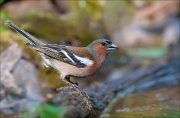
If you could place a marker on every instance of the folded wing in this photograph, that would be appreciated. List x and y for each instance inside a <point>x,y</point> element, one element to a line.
<point>61,53</point>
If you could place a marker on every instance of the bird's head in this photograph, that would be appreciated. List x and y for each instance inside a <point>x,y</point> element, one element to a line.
<point>101,46</point>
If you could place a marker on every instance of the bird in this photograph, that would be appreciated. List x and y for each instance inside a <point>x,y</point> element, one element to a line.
<point>70,61</point>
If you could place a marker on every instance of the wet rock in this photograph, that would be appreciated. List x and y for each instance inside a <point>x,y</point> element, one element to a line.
<point>18,82</point>
<point>8,59</point>
<point>76,103</point>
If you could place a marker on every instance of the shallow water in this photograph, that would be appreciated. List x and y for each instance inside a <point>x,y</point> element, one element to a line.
<point>160,103</point>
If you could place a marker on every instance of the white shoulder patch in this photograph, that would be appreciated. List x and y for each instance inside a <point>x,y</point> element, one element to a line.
<point>84,60</point>
<point>65,53</point>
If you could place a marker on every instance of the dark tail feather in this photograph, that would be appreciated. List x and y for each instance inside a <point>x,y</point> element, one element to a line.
<point>31,38</point>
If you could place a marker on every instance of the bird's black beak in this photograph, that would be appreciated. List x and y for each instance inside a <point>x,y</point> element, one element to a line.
<point>112,47</point>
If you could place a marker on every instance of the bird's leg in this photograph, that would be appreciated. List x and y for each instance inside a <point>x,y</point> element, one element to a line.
<point>69,80</point>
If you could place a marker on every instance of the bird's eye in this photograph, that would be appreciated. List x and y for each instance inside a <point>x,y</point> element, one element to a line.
<point>103,44</point>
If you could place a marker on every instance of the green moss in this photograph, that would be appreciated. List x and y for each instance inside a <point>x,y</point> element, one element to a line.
<point>168,113</point>
<point>51,77</point>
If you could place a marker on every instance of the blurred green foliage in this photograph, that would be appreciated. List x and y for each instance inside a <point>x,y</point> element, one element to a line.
<point>49,111</point>
<point>53,29</point>
<point>1,1</point>
<point>4,15</point>
<point>87,9</point>
<point>169,113</point>
<point>45,110</point>
<point>115,14</point>
<point>152,53</point>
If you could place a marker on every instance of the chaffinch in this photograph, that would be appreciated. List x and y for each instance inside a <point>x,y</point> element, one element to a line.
<point>69,60</point>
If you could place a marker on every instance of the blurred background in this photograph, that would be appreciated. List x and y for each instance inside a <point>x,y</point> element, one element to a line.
<point>141,79</point>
